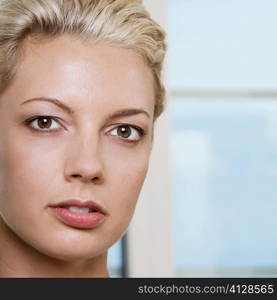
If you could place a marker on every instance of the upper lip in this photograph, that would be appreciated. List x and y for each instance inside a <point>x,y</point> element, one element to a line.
<point>81,204</point>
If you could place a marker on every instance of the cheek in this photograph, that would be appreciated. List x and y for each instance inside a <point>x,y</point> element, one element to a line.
<point>127,173</point>
<point>25,171</point>
<point>121,196</point>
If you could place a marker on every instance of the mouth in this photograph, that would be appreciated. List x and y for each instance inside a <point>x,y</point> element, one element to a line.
<point>79,214</point>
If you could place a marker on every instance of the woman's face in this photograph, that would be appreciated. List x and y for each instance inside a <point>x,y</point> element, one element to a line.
<point>71,128</point>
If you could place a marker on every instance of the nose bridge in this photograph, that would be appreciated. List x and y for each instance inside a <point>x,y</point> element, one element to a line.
<point>84,158</point>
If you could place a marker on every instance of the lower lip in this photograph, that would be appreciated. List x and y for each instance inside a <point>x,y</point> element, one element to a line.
<point>78,220</point>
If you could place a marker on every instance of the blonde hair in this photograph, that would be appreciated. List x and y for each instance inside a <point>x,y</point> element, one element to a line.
<point>122,22</point>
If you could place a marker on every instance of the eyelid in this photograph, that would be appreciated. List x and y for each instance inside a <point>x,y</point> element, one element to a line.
<point>33,118</point>
<point>141,132</point>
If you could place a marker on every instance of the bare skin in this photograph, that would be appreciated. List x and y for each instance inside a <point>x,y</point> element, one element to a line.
<point>80,155</point>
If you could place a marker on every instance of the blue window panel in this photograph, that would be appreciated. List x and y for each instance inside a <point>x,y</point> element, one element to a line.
<point>222,44</point>
<point>224,166</point>
<point>115,263</point>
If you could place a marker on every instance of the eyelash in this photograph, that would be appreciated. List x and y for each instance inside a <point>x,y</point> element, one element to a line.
<point>28,122</point>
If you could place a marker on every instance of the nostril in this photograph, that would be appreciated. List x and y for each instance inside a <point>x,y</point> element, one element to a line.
<point>76,175</point>
<point>95,179</point>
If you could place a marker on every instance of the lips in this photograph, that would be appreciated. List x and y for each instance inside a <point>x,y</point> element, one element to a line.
<point>79,214</point>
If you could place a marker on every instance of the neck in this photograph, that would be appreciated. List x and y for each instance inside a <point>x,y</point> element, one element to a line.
<point>17,259</point>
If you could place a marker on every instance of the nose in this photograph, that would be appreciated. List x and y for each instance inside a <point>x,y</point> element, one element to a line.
<point>84,162</point>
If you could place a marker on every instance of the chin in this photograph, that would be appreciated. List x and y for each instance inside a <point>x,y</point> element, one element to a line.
<point>74,253</point>
<point>65,246</point>
<point>80,246</point>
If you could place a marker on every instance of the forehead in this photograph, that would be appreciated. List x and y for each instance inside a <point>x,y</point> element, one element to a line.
<point>67,68</point>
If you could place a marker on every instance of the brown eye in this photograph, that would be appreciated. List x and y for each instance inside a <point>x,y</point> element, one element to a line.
<point>44,123</point>
<point>124,131</point>
<point>128,133</point>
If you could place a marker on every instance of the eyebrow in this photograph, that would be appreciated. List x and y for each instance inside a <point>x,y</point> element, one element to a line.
<point>128,112</point>
<point>63,106</point>
<point>51,100</point>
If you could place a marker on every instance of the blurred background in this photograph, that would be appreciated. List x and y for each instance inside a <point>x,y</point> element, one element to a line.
<point>209,207</point>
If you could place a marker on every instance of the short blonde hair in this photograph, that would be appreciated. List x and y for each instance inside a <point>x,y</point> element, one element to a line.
<point>122,22</point>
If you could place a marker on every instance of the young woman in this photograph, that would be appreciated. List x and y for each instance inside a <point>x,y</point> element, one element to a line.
<point>80,90</point>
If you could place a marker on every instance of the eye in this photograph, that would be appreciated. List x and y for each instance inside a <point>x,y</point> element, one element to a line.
<point>128,132</point>
<point>43,123</point>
